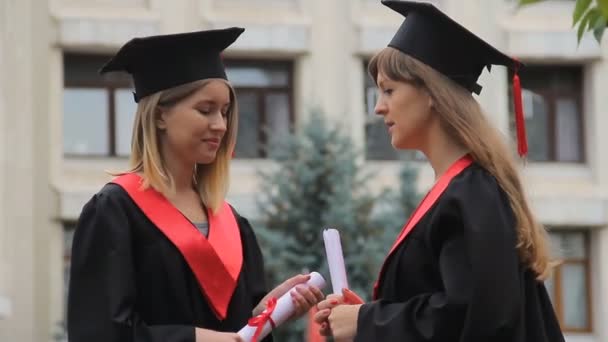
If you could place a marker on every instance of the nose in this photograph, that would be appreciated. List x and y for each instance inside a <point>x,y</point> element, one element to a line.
<point>381,108</point>
<point>218,122</point>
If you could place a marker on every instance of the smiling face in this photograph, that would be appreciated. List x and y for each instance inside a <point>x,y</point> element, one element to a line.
<point>407,112</point>
<point>193,128</point>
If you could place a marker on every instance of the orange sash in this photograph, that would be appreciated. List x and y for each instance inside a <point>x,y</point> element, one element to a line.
<point>216,261</point>
<point>427,202</point>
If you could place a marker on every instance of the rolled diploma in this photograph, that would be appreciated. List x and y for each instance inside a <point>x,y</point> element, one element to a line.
<point>335,260</point>
<point>282,311</point>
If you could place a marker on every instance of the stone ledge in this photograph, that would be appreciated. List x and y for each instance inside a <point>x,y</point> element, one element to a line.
<point>558,45</point>
<point>103,32</point>
<point>573,212</point>
<point>269,37</point>
<point>371,39</point>
<point>71,203</point>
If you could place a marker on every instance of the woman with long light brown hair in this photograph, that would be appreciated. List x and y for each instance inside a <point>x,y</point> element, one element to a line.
<point>158,254</point>
<point>469,264</point>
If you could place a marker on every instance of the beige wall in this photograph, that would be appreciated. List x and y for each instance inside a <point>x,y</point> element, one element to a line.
<point>327,41</point>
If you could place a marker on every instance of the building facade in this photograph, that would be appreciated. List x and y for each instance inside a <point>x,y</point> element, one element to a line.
<point>63,126</point>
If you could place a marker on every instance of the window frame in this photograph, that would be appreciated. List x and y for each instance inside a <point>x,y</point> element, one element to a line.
<point>557,283</point>
<point>550,96</point>
<point>109,85</point>
<point>261,93</point>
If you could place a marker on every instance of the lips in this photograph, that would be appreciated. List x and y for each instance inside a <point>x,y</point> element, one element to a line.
<point>214,142</point>
<point>389,126</point>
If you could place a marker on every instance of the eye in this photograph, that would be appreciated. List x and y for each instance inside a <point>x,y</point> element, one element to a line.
<point>387,91</point>
<point>204,111</point>
<point>225,112</point>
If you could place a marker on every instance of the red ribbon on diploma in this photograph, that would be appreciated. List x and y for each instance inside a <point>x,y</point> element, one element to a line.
<point>260,320</point>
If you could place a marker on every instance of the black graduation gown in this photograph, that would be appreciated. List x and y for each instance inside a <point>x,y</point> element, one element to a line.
<point>128,282</point>
<point>457,275</point>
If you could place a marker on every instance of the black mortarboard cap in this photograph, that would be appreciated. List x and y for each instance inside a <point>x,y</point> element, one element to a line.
<point>433,38</point>
<point>162,62</point>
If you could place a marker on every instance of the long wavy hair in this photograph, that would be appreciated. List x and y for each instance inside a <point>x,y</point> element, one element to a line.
<point>461,116</point>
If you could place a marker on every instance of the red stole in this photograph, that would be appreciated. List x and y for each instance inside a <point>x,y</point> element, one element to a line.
<point>427,202</point>
<point>216,261</point>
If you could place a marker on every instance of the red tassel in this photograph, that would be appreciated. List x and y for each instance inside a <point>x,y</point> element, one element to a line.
<point>520,123</point>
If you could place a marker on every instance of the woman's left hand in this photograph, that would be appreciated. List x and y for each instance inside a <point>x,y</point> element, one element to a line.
<point>343,322</point>
<point>304,297</point>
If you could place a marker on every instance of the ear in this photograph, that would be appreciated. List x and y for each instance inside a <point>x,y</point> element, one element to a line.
<point>430,101</point>
<point>161,117</point>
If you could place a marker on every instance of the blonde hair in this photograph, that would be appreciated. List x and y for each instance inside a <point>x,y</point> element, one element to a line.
<point>211,180</point>
<point>462,118</point>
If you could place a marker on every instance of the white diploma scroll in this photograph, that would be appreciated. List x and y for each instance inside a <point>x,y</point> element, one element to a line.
<point>282,311</point>
<point>335,260</point>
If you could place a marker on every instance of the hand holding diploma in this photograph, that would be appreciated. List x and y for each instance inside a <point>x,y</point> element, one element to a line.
<point>337,267</point>
<point>293,300</point>
<point>341,293</point>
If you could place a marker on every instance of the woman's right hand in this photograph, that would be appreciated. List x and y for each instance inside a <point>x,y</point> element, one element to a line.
<point>205,335</point>
<point>324,310</point>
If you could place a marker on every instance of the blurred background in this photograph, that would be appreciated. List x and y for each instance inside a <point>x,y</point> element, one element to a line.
<point>310,153</point>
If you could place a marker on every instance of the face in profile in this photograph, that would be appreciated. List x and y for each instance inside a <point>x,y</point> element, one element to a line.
<point>193,128</point>
<point>406,110</point>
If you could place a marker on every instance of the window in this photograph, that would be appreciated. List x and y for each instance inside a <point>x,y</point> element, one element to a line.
<point>377,140</point>
<point>569,286</point>
<point>552,98</point>
<point>264,92</point>
<point>98,111</point>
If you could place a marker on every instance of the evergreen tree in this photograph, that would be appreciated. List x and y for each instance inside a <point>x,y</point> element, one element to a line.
<point>394,209</point>
<point>317,183</point>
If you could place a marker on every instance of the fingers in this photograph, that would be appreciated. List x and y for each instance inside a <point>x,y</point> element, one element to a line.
<point>288,284</point>
<point>331,301</point>
<point>319,296</point>
<point>325,329</point>
<point>300,303</point>
<point>237,338</point>
<point>305,298</point>
<point>295,280</point>
<point>308,294</point>
<point>282,289</point>
<point>321,316</point>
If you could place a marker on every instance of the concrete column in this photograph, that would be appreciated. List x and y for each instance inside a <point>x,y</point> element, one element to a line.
<point>178,16</point>
<point>16,170</point>
<point>24,177</point>
<point>324,74</point>
<point>5,300</point>
<point>595,118</point>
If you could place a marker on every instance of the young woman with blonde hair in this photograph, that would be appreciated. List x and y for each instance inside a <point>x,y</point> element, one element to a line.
<point>158,255</point>
<point>469,264</point>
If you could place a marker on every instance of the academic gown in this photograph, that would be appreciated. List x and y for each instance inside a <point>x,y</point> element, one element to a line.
<point>128,282</point>
<point>457,275</point>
